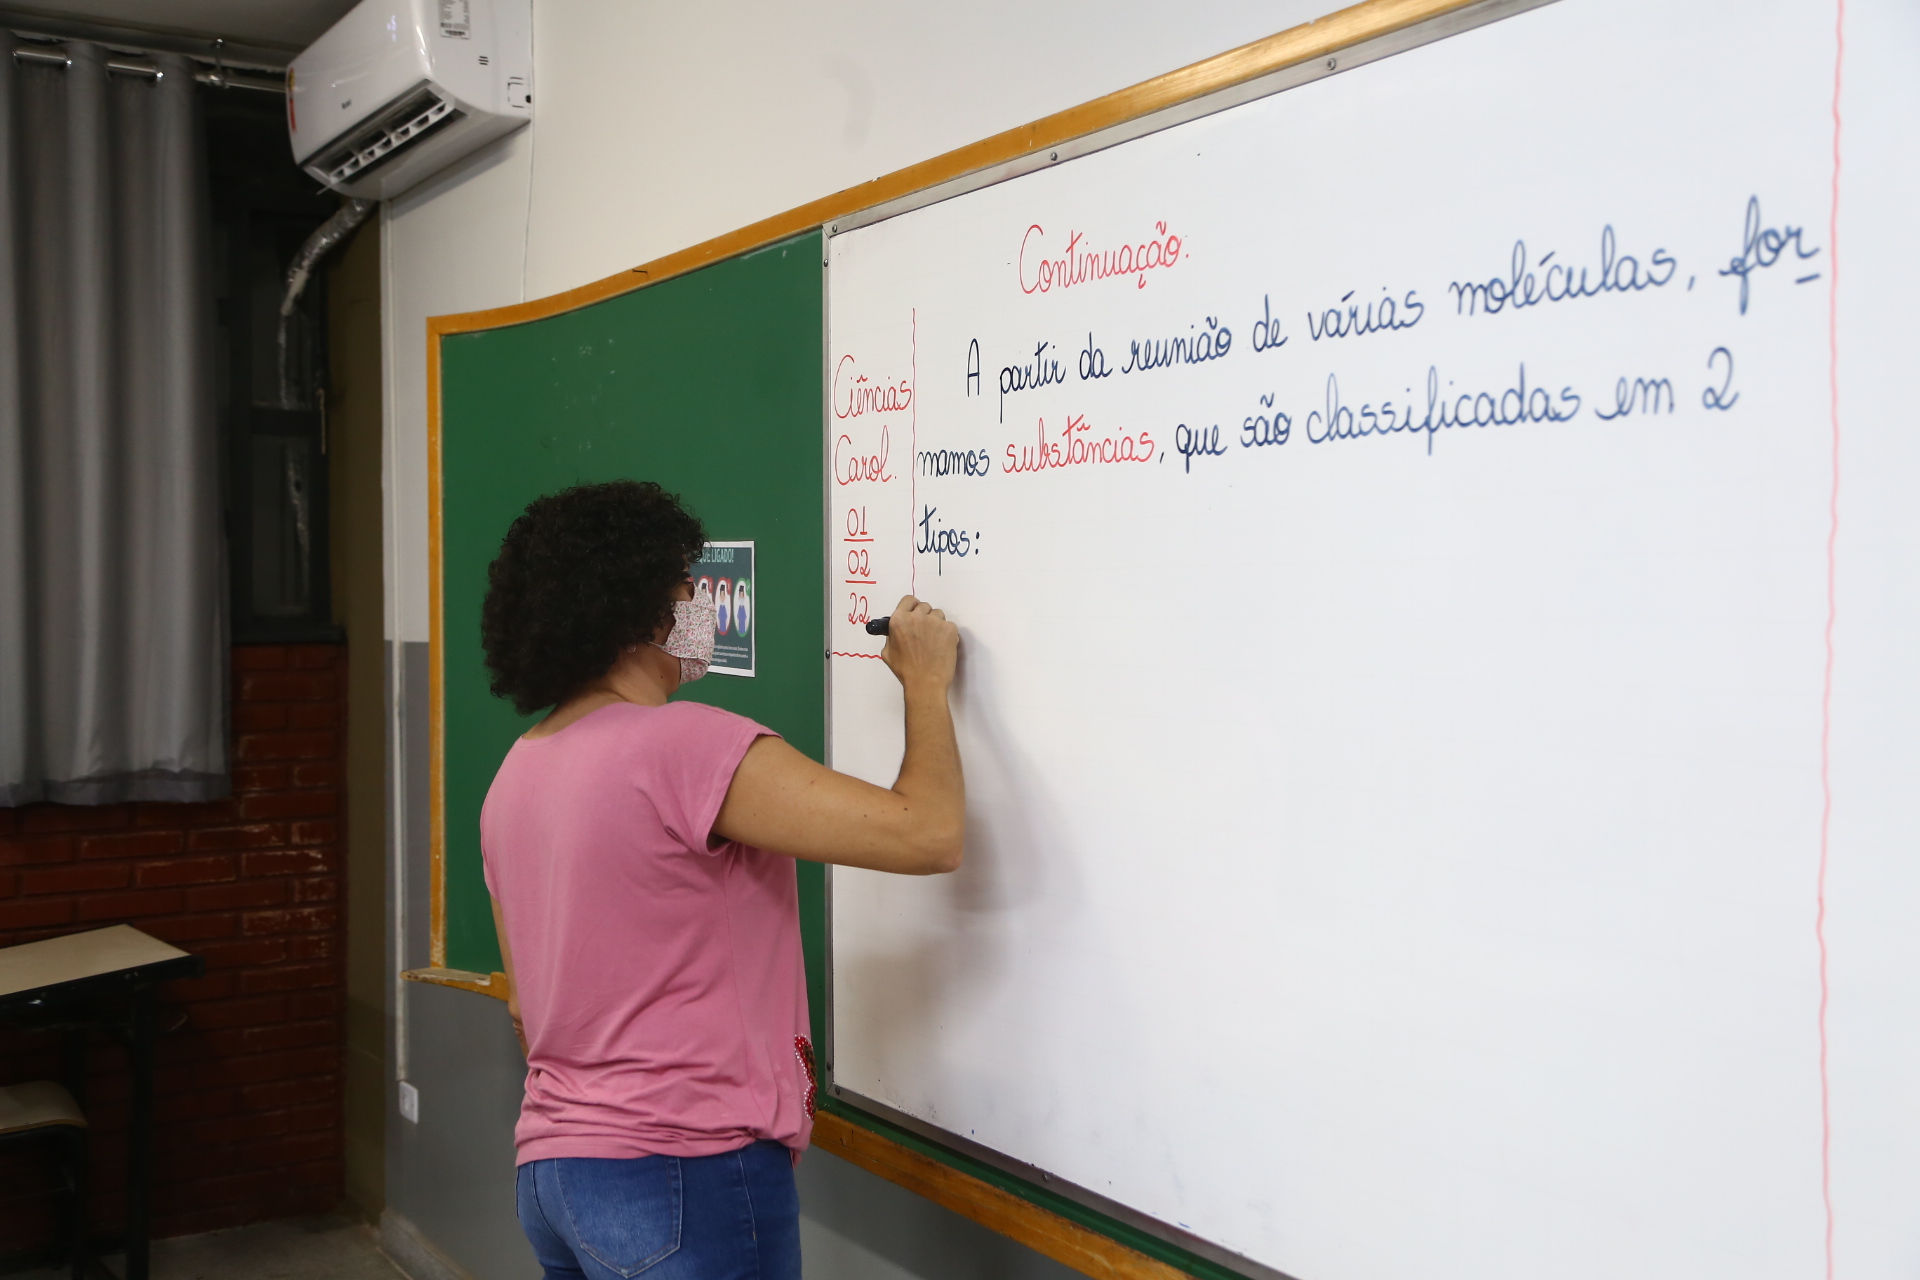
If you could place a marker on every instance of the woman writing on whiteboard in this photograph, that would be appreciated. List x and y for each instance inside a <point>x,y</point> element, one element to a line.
<point>640,857</point>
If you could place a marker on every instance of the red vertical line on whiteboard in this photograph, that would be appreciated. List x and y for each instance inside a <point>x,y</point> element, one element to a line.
<point>913,456</point>
<point>1826,689</point>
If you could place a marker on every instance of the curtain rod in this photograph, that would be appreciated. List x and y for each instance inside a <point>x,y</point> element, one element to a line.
<point>129,64</point>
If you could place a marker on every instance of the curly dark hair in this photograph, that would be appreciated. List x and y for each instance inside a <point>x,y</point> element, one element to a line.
<point>582,574</point>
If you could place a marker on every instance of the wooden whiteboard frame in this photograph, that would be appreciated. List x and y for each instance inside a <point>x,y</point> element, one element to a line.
<point>1339,41</point>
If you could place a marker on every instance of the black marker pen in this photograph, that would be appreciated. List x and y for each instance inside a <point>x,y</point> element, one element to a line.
<point>877,626</point>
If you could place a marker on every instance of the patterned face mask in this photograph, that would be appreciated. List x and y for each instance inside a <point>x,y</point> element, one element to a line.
<point>691,639</point>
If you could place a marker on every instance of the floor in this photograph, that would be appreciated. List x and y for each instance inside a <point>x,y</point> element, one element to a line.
<point>297,1249</point>
<point>900,1237</point>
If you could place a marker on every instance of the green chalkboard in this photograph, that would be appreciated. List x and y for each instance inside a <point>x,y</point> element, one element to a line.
<point>710,384</point>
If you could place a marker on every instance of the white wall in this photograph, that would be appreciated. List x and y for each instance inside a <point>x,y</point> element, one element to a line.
<point>659,126</point>
<point>455,243</point>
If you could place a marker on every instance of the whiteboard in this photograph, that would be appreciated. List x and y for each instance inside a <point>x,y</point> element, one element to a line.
<point>1440,712</point>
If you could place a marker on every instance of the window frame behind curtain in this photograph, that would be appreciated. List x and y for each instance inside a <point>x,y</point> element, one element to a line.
<point>264,207</point>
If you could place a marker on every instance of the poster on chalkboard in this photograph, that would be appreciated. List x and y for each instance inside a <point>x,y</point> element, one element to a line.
<point>724,576</point>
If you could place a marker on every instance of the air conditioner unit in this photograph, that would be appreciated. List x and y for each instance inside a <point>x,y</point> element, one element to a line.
<point>399,89</point>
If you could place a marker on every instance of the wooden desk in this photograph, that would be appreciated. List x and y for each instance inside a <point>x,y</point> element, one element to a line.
<point>44,978</point>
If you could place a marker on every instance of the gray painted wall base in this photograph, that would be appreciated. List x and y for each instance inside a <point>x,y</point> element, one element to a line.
<point>410,1251</point>
<point>451,1174</point>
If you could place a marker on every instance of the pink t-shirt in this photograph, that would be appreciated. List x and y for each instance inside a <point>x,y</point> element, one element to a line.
<point>660,977</point>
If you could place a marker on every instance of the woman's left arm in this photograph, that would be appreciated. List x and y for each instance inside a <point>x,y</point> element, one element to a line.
<point>513,988</point>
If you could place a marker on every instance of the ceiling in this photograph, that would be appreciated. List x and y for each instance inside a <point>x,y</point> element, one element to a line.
<point>263,30</point>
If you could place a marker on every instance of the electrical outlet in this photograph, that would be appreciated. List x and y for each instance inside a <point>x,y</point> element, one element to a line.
<point>409,1102</point>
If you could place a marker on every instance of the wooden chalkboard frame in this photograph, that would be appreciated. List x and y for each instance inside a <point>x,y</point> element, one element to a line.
<point>1072,1230</point>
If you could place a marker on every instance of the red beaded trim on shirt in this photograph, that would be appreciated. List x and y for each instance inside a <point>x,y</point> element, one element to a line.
<point>803,1050</point>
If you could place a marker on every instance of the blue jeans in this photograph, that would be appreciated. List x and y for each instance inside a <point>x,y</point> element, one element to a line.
<point>734,1216</point>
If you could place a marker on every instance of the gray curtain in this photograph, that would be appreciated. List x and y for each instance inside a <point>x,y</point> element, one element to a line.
<point>113,631</point>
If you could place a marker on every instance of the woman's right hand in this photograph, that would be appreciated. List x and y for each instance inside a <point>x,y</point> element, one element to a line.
<point>922,646</point>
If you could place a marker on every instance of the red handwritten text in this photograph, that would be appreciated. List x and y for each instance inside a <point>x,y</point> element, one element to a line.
<point>854,394</point>
<point>1043,271</point>
<point>850,465</point>
<point>1078,447</point>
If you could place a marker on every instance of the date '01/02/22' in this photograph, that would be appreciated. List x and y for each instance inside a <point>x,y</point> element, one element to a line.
<point>859,564</point>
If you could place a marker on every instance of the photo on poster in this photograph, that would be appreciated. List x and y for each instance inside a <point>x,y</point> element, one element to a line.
<point>724,575</point>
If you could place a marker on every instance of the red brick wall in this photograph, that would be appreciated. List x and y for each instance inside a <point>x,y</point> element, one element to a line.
<point>248,1090</point>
